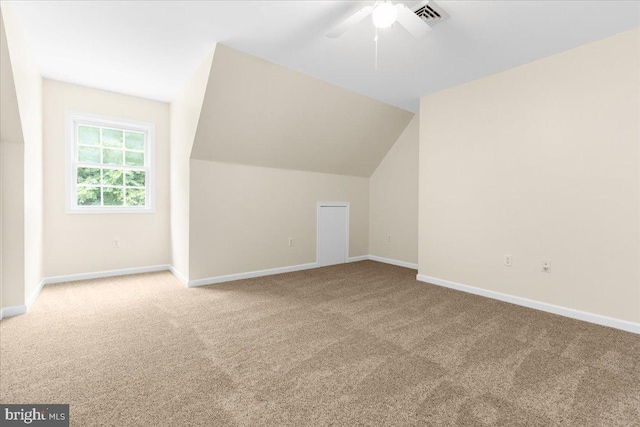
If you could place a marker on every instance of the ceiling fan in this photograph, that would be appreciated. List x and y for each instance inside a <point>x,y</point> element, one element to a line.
<point>384,14</point>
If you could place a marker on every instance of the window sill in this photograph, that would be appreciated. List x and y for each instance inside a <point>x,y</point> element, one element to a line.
<point>102,210</point>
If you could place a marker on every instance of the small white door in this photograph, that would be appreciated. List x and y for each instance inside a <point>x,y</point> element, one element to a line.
<point>333,234</point>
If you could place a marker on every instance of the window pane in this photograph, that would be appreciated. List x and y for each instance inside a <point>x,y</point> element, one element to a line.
<point>111,157</point>
<point>88,196</point>
<point>135,178</point>
<point>112,177</point>
<point>134,140</point>
<point>135,159</point>
<point>113,196</point>
<point>112,138</point>
<point>88,176</point>
<point>89,154</point>
<point>88,135</point>
<point>135,197</point>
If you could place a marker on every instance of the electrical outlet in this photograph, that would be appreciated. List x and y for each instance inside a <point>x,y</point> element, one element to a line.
<point>508,262</point>
<point>290,241</point>
<point>116,243</point>
<point>546,266</point>
<point>389,238</point>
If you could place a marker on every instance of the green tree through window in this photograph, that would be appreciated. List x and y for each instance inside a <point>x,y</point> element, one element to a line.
<point>111,166</point>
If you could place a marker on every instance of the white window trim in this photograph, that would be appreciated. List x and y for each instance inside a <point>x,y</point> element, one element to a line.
<point>72,119</point>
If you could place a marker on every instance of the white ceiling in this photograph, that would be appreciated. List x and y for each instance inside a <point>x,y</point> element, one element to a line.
<point>150,49</point>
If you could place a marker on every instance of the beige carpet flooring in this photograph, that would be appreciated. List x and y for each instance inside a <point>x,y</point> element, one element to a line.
<point>356,344</point>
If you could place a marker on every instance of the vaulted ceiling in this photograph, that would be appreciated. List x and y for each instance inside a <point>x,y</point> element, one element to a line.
<point>151,48</point>
<point>258,113</point>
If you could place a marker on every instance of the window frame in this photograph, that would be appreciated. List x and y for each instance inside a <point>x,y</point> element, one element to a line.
<point>75,119</point>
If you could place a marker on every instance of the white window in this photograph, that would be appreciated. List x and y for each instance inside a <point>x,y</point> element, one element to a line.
<point>110,165</point>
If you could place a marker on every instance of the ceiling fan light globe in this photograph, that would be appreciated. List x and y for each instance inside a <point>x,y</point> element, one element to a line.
<point>384,15</point>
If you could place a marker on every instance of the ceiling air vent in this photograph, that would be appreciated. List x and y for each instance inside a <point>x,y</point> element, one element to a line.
<point>430,12</point>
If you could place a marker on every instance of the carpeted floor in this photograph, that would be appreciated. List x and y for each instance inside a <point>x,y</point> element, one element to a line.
<point>355,344</point>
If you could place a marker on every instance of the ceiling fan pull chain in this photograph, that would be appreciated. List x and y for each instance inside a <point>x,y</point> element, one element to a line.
<point>375,39</point>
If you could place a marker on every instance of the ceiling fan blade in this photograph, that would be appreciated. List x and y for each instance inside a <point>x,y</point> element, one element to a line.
<point>411,22</point>
<point>351,21</point>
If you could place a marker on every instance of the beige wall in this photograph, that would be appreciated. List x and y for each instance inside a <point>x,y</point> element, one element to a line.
<point>12,224</point>
<point>28,90</point>
<point>393,206</point>
<point>10,126</point>
<point>541,162</point>
<point>11,185</point>
<point>81,243</point>
<point>262,114</point>
<point>185,113</point>
<point>242,216</point>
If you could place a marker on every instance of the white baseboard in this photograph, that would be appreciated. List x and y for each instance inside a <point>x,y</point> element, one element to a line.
<point>393,262</point>
<point>179,275</point>
<point>280,270</point>
<point>35,294</point>
<point>250,275</point>
<point>549,308</point>
<point>14,310</point>
<point>22,309</point>
<point>102,274</point>
<point>384,260</point>
<point>17,310</point>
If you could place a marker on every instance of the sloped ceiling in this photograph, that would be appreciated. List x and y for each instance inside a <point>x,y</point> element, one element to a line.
<point>259,113</point>
<point>10,126</point>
